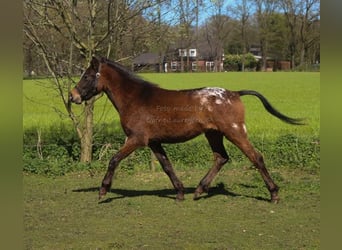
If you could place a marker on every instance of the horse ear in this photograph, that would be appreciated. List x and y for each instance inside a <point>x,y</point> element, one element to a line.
<point>95,63</point>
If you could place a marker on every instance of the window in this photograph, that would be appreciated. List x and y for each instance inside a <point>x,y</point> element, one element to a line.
<point>193,52</point>
<point>182,52</point>
<point>174,66</point>
<point>209,66</point>
<point>194,66</point>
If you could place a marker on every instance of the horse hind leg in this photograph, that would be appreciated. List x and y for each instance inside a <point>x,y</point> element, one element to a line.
<point>238,136</point>
<point>215,139</point>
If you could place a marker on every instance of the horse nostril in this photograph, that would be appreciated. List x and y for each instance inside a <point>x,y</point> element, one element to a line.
<point>75,96</point>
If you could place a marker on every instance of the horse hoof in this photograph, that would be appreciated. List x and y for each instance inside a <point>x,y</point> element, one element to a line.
<point>196,196</point>
<point>275,200</point>
<point>102,192</point>
<point>180,197</point>
<point>200,190</point>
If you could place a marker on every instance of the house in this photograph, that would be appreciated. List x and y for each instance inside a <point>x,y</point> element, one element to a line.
<point>178,60</point>
<point>193,60</point>
<point>271,63</point>
<point>149,62</point>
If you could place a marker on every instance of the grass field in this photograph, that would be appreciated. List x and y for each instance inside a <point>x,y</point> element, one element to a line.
<point>295,94</point>
<point>140,211</point>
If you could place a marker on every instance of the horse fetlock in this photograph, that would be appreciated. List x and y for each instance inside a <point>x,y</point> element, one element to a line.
<point>199,190</point>
<point>275,200</point>
<point>180,196</point>
<point>274,197</point>
<point>104,189</point>
<point>102,192</point>
<point>196,195</point>
<point>180,192</point>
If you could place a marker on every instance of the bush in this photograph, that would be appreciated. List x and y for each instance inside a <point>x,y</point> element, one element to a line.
<point>234,62</point>
<point>297,152</point>
<point>60,150</point>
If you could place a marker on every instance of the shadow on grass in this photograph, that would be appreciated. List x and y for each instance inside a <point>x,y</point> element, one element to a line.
<point>219,189</point>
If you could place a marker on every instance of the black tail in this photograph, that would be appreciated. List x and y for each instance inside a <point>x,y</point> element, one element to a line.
<point>270,109</point>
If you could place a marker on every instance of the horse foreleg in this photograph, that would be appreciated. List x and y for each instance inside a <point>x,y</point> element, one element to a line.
<point>129,146</point>
<point>215,140</point>
<point>168,169</point>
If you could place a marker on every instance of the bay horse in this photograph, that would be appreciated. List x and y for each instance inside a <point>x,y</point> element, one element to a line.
<point>151,116</point>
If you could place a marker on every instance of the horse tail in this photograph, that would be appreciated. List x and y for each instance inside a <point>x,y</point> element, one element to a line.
<point>271,109</point>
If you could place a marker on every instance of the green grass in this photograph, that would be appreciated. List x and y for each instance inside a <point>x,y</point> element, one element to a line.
<point>295,94</point>
<point>140,212</point>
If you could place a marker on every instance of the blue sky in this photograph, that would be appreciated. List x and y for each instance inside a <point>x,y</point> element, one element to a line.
<point>170,13</point>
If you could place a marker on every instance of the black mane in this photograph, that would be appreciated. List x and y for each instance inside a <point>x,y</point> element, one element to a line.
<point>124,72</point>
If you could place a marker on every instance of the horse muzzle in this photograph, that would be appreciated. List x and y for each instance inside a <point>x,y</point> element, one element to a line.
<point>75,96</point>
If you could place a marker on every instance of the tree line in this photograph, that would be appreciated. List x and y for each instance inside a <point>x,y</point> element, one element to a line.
<point>72,30</point>
<point>61,36</point>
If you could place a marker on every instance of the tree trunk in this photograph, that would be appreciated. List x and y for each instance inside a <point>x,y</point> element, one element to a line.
<point>302,55</point>
<point>293,66</point>
<point>188,67</point>
<point>263,55</point>
<point>87,132</point>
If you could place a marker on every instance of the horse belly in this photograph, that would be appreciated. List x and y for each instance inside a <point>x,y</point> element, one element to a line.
<point>178,131</point>
<point>176,137</point>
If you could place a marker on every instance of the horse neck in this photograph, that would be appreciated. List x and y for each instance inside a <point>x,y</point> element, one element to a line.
<point>122,92</point>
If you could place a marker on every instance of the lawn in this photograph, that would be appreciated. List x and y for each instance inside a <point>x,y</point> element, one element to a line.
<point>140,212</point>
<point>295,94</point>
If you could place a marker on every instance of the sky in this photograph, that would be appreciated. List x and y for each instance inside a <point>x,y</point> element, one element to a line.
<point>171,13</point>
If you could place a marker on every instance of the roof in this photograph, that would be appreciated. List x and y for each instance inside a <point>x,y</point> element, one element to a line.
<point>147,58</point>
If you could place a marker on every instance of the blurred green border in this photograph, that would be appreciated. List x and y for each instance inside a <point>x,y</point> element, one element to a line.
<point>11,124</point>
<point>331,116</point>
<point>11,214</point>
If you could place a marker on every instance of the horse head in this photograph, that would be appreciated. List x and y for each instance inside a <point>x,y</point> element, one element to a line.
<point>89,84</point>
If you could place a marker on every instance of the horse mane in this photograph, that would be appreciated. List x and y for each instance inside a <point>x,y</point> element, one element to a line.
<point>124,72</point>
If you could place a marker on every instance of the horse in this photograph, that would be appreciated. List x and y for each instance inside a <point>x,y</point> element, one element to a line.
<point>151,116</point>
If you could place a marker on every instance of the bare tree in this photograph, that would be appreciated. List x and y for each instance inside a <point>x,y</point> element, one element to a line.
<point>241,11</point>
<point>217,32</point>
<point>290,10</point>
<point>48,25</point>
<point>301,16</point>
<point>308,35</point>
<point>63,31</point>
<point>158,22</point>
<point>187,16</point>
<point>264,10</point>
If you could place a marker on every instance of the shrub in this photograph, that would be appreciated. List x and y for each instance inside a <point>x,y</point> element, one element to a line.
<point>234,62</point>
<point>297,152</point>
<point>60,150</point>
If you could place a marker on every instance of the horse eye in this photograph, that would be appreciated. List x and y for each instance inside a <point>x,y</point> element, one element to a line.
<point>98,75</point>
